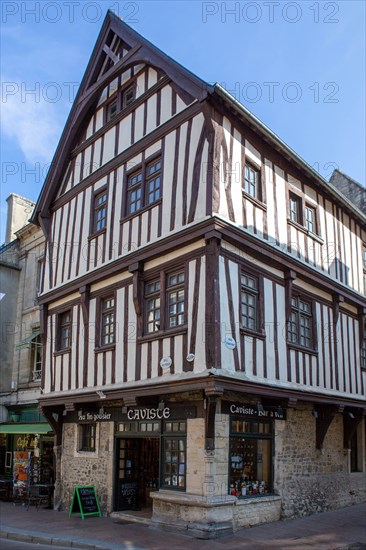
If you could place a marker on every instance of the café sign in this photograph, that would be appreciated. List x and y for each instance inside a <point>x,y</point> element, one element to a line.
<point>254,411</point>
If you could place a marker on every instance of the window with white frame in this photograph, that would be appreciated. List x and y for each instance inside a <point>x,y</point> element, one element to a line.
<point>251,181</point>
<point>36,358</point>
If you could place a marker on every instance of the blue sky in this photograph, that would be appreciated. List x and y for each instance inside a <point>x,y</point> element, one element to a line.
<point>298,66</point>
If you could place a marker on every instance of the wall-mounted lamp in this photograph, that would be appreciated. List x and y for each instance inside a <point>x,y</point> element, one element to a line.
<point>314,413</point>
<point>124,409</point>
<point>161,405</point>
<point>101,394</point>
<point>80,412</point>
<point>351,415</point>
<point>260,407</point>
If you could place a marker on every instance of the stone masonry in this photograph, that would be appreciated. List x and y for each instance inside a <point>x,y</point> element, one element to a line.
<point>85,468</point>
<point>311,480</point>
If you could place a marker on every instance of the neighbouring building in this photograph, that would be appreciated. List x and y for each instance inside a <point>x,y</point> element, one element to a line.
<point>203,305</point>
<point>24,432</point>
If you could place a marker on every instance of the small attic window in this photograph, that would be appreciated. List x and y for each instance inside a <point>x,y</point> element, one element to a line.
<point>129,95</point>
<point>111,110</point>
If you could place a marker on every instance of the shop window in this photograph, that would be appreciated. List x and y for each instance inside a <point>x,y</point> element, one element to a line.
<point>144,186</point>
<point>64,331</point>
<point>300,326</point>
<point>100,212</point>
<point>108,321</point>
<point>252,181</point>
<point>249,292</point>
<point>174,293</point>
<point>87,437</point>
<point>250,460</point>
<point>174,455</point>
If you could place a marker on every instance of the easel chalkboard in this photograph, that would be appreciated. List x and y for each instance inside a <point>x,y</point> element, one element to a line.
<point>85,502</point>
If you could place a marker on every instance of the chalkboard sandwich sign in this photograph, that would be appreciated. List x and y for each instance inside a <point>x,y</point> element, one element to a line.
<point>85,502</point>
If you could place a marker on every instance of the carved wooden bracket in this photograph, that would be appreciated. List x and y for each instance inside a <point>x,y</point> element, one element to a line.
<point>351,420</point>
<point>137,275</point>
<point>54,418</point>
<point>84,302</point>
<point>337,299</point>
<point>324,415</point>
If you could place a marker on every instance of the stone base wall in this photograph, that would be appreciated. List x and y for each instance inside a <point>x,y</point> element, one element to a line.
<point>88,468</point>
<point>310,480</point>
<point>255,511</point>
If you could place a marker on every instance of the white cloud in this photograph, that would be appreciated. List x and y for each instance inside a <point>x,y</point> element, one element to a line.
<point>30,120</point>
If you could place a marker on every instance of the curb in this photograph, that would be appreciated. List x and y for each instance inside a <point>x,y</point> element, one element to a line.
<point>39,538</point>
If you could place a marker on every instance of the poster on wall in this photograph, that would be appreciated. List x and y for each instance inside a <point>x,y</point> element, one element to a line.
<point>21,473</point>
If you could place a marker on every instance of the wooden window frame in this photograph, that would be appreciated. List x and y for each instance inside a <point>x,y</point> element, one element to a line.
<point>142,185</point>
<point>173,436</point>
<point>251,435</point>
<point>163,295</point>
<point>86,437</point>
<point>114,100</point>
<point>152,296</point>
<point>303,204</point>
<point>124,102</point>
<point>61,326</point>
<point>94,230</point>
<point>250,271</point>
<point>258,181</point>
<point>254,293</point>
<point>119,98</point>
<point>299,315</point>
<point>104,314</point>
<point>296,199</point>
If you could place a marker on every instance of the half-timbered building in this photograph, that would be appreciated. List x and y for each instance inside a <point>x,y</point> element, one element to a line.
<point>203,305</point>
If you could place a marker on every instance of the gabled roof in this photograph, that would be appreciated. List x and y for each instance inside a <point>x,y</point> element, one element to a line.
<point>93,82</point>
<point>142,51</point>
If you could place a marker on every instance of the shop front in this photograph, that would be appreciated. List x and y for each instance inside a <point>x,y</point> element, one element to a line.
<point>27,457</point>
<point>151,450</point>
<point>208,463</point>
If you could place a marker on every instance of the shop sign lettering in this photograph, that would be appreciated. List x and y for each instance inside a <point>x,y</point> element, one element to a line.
<point>26,442</point>
<point>94,417</point>
<point>273,413</point>
<point>148,414</point>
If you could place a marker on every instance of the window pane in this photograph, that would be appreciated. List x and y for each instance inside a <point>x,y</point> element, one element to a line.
<point>250,466</point>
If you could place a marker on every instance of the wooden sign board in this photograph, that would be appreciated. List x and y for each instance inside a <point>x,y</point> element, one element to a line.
<point>85,502</point>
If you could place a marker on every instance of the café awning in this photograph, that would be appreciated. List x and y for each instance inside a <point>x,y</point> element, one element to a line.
<point>17,428</point>
<point>26,343</point>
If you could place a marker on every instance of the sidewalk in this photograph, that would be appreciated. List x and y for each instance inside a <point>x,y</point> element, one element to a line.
<point>337,530</point>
